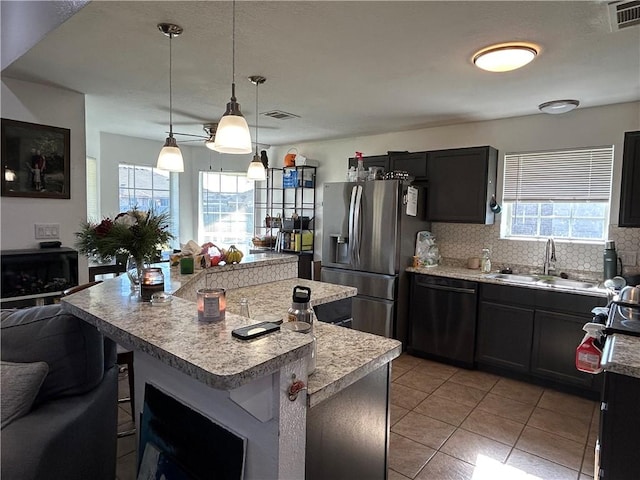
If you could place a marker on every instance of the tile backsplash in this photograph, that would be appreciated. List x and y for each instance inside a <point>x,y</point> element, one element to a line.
<point>457,242</point>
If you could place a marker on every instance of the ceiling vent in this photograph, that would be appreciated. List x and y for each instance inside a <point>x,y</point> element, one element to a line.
<point>280,115</point>
<point>623,14</point>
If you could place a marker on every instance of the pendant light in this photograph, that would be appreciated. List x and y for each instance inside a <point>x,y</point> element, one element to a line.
<point>170,157</point>
<point>256,169</point>
<point>233,132</point>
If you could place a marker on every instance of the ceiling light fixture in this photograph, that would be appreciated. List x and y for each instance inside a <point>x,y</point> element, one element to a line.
<point>170,157</point>
<point>256,169</point>
<point>558,106</point>
<point>505,56</point>
<point>233,132</point>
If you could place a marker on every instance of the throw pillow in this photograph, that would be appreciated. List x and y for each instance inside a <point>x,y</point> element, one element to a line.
<point>20,383</point>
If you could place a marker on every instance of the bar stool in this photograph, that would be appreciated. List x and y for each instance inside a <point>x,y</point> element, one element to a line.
<point>124,357</point>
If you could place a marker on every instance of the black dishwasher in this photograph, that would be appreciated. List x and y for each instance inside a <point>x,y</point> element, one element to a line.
<point>442,318</point>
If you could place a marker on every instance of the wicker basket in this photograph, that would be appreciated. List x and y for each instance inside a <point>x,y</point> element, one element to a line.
<point>264,242</point>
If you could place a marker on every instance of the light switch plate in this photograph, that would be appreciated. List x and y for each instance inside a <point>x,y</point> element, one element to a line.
<point>629,259</point>
<point>47,231</point>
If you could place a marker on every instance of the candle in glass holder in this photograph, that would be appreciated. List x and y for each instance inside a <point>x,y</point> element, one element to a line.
<point>212,304</point>
<point>151,281</point>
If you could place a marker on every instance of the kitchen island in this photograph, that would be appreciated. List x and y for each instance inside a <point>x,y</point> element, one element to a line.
<point>246,387</point>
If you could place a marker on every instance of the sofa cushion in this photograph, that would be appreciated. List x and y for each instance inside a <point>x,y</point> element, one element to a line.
<point>72,348</point>
<point>20,383</point>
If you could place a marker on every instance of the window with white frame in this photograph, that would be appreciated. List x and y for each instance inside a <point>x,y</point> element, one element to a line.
<point>564,194</point>
<point>93,189</point>
<point>149,188</point>
<point>226,209</point>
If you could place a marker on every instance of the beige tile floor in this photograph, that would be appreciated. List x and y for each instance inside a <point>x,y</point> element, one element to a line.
<point>449,423</point>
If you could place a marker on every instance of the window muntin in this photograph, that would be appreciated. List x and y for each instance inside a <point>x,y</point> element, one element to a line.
<point>226,209</point>
<point>562,194</point>
<point>149,188</point>
<point>144,187</point>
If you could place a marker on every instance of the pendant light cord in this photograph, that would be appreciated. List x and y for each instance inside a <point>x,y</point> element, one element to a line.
<point>257,118</point>
<point>233,52</point>
<point>170,86</point>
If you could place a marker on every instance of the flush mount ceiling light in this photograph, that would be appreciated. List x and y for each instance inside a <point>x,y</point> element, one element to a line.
<point>558,106</point>
<point>505,57</point>
<point>233,132</point>
<point>256,169</point>
<point>170,157</point>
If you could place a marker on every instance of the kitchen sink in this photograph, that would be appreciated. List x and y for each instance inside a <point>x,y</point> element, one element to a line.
<point>563,282</point>
<point>509,277</point>
<point>542,280</point>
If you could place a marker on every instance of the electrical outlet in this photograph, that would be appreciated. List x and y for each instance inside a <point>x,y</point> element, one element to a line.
<point>629,259</point>
<point>47,231</point>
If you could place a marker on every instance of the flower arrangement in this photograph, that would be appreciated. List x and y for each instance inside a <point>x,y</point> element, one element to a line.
<point>138,233</point>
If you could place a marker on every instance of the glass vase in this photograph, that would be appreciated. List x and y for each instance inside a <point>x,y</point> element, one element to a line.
<point>134,271</point>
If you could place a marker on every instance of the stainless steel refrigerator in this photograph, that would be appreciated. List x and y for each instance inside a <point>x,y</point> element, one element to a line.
<point>368,240</point>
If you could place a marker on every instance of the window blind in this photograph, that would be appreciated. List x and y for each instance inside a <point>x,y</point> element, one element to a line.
<point>564,175</point>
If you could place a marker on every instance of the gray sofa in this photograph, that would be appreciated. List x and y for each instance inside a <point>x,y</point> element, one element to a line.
<point>70,429</point>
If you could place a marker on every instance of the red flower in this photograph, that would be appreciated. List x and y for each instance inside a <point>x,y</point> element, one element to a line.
<point>104,228</point>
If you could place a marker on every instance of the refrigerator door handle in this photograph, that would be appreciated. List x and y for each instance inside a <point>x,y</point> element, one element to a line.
<point>357,226</point>
<point>352,236</point>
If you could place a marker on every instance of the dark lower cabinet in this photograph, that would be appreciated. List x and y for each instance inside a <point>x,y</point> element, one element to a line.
<point>630,193</point>
<point>504,336</point>
<point>534,334</point>
<point>555,338</point>
<point>617,451</point>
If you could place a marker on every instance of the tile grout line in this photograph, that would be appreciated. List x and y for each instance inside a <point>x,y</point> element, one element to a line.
<point>512,447</point>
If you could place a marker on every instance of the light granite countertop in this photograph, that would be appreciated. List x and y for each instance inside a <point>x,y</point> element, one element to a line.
<point>477,276</point>
<point>175,280</point>
<point>172,334</point>
<point>343,356</point>
<point>621,355</point>
<point>208,353</point>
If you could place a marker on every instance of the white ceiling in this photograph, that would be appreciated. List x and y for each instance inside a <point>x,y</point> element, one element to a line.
<point>346,68</point>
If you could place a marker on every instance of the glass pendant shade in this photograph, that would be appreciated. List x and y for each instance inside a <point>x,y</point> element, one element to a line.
<point>210,143</point>
<point>256,169</point>
<point>232,135</point>
<point>170,157</point>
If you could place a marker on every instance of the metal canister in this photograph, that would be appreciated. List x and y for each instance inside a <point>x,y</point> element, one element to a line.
<point>301,310</point>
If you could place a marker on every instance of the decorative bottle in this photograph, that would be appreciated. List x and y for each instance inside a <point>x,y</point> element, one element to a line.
<point>361,173</point>
<point>485,261</point>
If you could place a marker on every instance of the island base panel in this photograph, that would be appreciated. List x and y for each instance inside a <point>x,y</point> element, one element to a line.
<point>348,434</point>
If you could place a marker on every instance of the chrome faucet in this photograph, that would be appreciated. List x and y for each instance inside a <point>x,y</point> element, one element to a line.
<point>549,257</point>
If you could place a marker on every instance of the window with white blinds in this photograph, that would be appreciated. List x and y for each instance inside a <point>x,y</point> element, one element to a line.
<point>564,194</point>
<point>569,175</point>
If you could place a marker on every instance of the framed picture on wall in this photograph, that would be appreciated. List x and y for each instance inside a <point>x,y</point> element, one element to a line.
<point>35,160</point>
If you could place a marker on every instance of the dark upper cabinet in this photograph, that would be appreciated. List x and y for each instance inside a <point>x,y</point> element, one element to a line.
<point>415,164</point>
<point>630,196</point>
<point>461,184</point>
<point>372,161</point>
